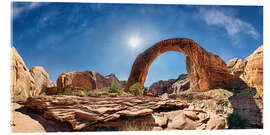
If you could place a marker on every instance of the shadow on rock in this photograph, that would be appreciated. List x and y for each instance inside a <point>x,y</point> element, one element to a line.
<point>48,125</point>
<point>247,109</point>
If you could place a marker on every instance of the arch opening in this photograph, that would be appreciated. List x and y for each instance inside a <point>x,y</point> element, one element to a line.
<point>205,70</point>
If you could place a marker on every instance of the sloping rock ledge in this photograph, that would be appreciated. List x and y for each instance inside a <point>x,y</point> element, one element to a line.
<point>88,113</point>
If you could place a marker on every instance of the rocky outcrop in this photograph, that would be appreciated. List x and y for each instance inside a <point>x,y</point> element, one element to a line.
<point>94,114</point>
<point>170,86</point>
<point>236,68</point>
<point>248,72</point>
<point>22,83</point>
<point>41,78</point>
<point>181,83</point>
<point>253,73</point>
<point>205,70</point>
<point>83,80</point>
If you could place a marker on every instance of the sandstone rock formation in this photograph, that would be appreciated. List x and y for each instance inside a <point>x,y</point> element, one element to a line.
<point>85,79</point>
<point>25,83</point>
<point>236,68</point>
<point>41,78</point>
<point>253,73</point>
<point>170,86</point>
<point>205,70</point>
<point>93,114</point>
<point>182,83</point>
<point>22,83</point>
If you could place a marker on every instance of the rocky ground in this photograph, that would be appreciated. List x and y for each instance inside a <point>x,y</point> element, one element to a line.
<point>123,113</point>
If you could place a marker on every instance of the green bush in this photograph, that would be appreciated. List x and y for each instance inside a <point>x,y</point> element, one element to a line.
<point>88,88</point>
<point>234,121</point>
<point>67,91</point>
<point>116,87</point>
<point>136,89</point>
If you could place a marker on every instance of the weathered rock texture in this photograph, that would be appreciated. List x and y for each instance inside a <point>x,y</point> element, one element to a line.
<point>26,83</point>
<point>206,70</point>
<point>41,78</point>
<point>236,68</point>
<point>170,86</point>
<point>85,79</point>
<point>87,113</point>
<point>22,83</point>
<point>253,73</point>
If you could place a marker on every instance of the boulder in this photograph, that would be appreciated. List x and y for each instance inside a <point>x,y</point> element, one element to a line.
<point>22,83</point>
<point>83,80</point>
<point>205,70</point>
<point>41,78</point>
<point>253,73</point>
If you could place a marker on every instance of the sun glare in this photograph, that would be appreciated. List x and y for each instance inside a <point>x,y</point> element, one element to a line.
<point>134,41</point>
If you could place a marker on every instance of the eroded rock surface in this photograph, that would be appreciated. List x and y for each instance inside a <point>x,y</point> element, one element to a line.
<point>169,86</point>
<point>41,78</point>
<point>88,113</point>
<point>206,70</point>
<point>83,80</point>
<point>22,83</point>
<point>253,73</point>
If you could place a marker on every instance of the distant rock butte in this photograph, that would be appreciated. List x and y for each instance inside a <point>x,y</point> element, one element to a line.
<point>205,70</point>
<point>83,80</point>
<point>92,114</point>
<point>170,86</point>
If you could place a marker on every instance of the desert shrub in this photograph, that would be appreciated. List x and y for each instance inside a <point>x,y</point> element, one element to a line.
<point>165,96</point>
<point>136,89</point>
<point>67,91</point>
<point>116,87</point>
<point>259,92</point>
<point>82,93</point>
<point>88,88</point>
<point>234,121</point>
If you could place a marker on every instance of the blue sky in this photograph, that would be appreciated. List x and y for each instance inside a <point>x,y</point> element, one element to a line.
<point>63,37</point>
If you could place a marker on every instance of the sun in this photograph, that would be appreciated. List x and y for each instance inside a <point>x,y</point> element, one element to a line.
<point>134,41</point>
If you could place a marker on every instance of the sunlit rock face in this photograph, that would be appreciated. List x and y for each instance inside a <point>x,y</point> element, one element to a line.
<point>205,70</point>
<point>22,83</point>
<point>42,79</point>
<point>253,73</point>
<point>82,80</point>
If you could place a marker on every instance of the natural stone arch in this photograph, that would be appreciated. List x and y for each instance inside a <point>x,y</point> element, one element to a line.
<point>205,70</point>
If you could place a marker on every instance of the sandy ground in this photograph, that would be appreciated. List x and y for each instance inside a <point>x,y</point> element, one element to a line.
<point>25,121</point>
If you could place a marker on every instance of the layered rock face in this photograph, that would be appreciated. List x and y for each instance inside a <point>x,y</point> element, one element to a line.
<point>236,68</point>
<point>170,86</point>
<point>205,70</point>
<point>253,73</point>
<point>22,83</point>
<point>85,79</point>
<point>94,114</point>
<point>248,72</point>
<point>41,78</point>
